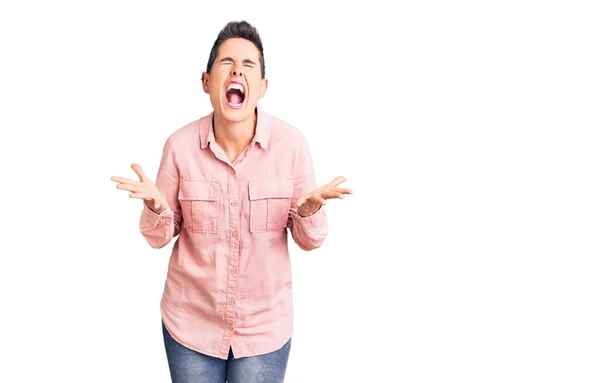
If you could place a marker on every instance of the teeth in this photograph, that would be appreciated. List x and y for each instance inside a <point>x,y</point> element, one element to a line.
<point>235,85</point>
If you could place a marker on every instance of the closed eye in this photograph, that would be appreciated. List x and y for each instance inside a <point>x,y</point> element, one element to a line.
<point>228,60</point>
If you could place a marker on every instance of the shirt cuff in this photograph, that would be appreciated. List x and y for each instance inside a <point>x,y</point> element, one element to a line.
<point>312,221</point>
<point>151,218</point>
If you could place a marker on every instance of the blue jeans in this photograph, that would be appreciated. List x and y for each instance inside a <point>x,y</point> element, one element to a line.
<point>189,366</point>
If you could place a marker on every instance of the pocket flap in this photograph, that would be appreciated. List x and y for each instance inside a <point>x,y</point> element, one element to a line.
<point>199,190</point>
<point>261,189</point>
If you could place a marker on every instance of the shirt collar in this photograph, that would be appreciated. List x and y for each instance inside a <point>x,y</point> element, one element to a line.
<point>261,135</point>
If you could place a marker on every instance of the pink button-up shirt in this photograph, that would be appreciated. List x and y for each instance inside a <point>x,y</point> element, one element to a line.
<point>229,279</point>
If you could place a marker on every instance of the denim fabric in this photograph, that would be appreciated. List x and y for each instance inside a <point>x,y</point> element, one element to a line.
<point>188,366</point>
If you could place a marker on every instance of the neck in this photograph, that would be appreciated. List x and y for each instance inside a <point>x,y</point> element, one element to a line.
<point>233,137</point>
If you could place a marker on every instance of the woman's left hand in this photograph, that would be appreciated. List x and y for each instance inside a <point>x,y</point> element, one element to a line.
<point>310,203</point>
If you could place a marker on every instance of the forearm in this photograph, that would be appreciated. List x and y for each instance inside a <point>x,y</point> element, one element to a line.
<point>309,232</point>
<point>158,229</point>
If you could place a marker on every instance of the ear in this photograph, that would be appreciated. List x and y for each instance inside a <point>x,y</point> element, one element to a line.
<point>263,87</point>
<point>205,82</point>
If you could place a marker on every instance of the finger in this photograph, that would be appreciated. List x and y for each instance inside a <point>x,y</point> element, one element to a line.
<point>342,190</point>
<point>138,170</point>
<point>123,180</point>
<point>336,181</point>
<point>139,195</point>
<point>131,187</point>
<point>327,194</point>
<point>317,199</point>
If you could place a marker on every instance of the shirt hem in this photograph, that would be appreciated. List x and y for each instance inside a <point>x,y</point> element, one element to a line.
<point>241,354</point>
<point>182,342</point>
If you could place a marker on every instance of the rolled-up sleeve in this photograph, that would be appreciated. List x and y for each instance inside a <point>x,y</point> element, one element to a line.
<point>160,229</point>
<point>308,232</point>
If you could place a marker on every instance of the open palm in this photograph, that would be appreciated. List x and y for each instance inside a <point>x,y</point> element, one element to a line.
<point>310,203</point>
<point>144,189</point>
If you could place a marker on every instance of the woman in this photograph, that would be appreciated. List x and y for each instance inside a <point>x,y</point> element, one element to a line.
<point>230,185</point>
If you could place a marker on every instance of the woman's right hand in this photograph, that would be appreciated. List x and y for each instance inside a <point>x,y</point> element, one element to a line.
<point>144,189</point>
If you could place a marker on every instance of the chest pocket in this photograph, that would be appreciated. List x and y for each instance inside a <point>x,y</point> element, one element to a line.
<point>200,202</point>
<point>270,202</point>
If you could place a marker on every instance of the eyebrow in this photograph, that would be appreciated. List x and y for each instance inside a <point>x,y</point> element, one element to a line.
<point>246,61</point>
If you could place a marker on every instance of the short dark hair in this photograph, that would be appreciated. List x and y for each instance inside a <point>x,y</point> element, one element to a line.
<point>240,29</point>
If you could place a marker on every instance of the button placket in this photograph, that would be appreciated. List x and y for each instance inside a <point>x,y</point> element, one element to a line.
<point>233,257</point>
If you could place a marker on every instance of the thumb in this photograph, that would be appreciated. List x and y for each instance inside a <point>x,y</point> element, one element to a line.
<point>337,181</point>
<point>138,170</point>
<point>300,201</point>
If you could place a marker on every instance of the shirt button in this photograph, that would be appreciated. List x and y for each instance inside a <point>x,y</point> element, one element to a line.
<point>235,234</point>
<point>234,204</point>
<point>231,301</point>
<point>233,270</point>
<point>232,172</point>
<point>230,327</point>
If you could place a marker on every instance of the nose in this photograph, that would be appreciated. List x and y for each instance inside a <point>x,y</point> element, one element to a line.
<point>237,70</point>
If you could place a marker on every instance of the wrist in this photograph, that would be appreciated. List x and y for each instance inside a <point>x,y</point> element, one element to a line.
<point>161,208</point>
<point>308,214</point>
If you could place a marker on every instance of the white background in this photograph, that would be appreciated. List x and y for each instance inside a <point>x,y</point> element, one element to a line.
<point>468,131</point>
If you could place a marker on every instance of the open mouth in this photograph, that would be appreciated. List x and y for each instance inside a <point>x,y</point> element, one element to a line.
<point>235,95</point>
